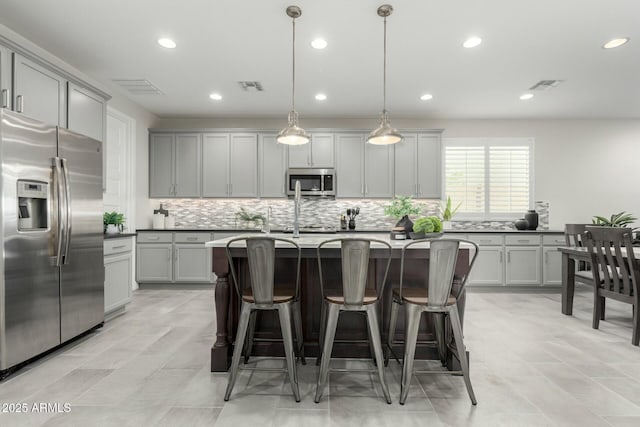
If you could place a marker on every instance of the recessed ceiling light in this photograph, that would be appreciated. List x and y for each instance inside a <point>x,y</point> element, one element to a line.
<point>472,42</point>
<point>526,96</point>
<point>215,96</point>
<point>168,43</point>
<point>615,43</point>
<point>319,43</point>
<point>426,97</point>
<point>321,97</point>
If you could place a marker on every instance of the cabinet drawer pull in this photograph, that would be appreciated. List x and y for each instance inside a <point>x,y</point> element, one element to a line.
<point>523,241</point>
<point>485,241</point>
<point>192,239</point>
<point>5,98</point>
<point>119,247</point>
<point>153,238</point>
<point>19,103</point>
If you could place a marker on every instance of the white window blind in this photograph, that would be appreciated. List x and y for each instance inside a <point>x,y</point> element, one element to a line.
<point>489,177</point>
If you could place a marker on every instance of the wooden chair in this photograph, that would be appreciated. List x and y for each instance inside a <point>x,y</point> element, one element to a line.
<point>573,236</point>
<point>615,270</point>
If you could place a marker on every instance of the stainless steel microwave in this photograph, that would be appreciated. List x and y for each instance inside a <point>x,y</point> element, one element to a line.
<point>314,182</point>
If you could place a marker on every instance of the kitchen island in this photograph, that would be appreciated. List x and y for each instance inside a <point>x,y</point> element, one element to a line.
<point>352,326</point>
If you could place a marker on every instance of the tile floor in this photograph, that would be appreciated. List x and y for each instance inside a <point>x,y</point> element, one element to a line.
<point>530,366</point>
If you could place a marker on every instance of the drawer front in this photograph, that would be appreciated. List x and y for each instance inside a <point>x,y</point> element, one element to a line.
<point>554,240</point>
<point>117,246</point>
<point>487,239</point>
<point>523,240</point>
<point>192,237</point>
<point>164,237</point>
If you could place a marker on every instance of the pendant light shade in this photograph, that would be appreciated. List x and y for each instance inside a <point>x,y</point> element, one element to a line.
<point>384,134</point>
<point>293,134</point>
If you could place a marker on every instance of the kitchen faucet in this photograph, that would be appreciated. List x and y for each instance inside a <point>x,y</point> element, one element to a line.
<point>296,211</point>
<point>266,223</point>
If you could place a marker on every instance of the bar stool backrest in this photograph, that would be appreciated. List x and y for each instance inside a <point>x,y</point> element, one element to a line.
<point>443,256</point>
<point>261,255</point>
<point>612,251</point>
<point>355,266</point>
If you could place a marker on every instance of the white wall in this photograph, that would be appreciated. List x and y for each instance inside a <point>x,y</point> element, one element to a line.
<point>582,167</point>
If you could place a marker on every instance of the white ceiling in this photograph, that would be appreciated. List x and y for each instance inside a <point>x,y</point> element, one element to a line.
<point>221,42</point>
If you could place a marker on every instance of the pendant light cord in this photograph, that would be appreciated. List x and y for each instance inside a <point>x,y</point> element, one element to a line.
<point>384,68</point>
<point>293,84</point>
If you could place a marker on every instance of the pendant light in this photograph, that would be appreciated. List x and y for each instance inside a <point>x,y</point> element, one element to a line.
<point>384,134</point>
<point>293,134</point>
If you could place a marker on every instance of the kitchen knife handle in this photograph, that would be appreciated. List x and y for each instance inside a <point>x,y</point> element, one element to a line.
<point>5,98</point>
<point>19,103</point>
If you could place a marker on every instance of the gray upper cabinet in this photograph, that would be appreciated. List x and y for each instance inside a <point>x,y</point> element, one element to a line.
<point>38,92</point>
<point>5,77</point>
<point>215,165</point>
<point>230,165</point>
<point>86,112</point>
<point>349,165</point>
<point>429,157</point>
<point>378,168</point>
<point>363,170</point>
<point>273,163</point>
<point>417,166</point>
<point>319,153</point>
<point>174,165</point>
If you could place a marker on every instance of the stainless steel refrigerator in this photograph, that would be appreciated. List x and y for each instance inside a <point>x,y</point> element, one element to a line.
<point>51,263</point>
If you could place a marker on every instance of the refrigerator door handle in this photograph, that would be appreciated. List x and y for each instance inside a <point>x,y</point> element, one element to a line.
<point>67,195</point>
<point>60,201</point>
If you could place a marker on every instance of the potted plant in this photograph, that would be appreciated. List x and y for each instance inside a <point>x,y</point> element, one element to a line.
<point>447,213</point>
<point>401,207</point>
<point>113,222</point>
<point>621,219</point>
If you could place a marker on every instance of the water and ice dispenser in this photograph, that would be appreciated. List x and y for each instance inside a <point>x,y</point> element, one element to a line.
<point>32,205</point>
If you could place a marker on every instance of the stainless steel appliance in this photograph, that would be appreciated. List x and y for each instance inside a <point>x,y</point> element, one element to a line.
<point>314,182</point>
<point>52,271</point>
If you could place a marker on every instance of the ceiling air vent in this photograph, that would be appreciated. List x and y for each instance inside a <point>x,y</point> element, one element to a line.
<point>545,84</point>
<point>253,85</point>
<point>138,86</point>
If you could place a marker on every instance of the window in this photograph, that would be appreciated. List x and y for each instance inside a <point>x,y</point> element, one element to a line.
<point>491,178</point>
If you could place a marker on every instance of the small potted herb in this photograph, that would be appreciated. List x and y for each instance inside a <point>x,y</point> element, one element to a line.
<point>447,213</point>
<point>113,222</point>
<point>401,207</point>
<point>621,219</point>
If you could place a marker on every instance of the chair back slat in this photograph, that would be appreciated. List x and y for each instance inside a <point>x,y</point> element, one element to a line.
<point>612,251</point>
<point>573,234</point>
<point>443,255</point>
<point>262,255</point>
<point>355,265</point>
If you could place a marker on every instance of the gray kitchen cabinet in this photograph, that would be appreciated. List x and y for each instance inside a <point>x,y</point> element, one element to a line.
<point>417,166</point>
<point>273,164</point>
<point>174,165</point>
<point>378,170</point>
<point>118,270</point>
<point>5,77</point>
<point>363,170</point>
<point>349,165</point>
<point>552,259</point>
<point>215,165</point>
<point>86,112</point>
<point>488,269</point>
<point>154,257</point>
<point>192,260</point>
<point>523,260</point>
<point>182,254</point>
<point>230,165</point>
<point>38,92</point>
<point>318,153</point>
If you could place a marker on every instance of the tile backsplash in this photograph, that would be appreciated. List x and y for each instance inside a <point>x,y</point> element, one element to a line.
<point>222,213</point>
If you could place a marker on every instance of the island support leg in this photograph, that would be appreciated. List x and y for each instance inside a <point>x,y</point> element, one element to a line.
<point>221,348</point>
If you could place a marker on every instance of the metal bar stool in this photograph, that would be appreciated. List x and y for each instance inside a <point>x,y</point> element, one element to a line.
<point>435,297</point>
<point>353,296</point>
<point>263,294</point>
